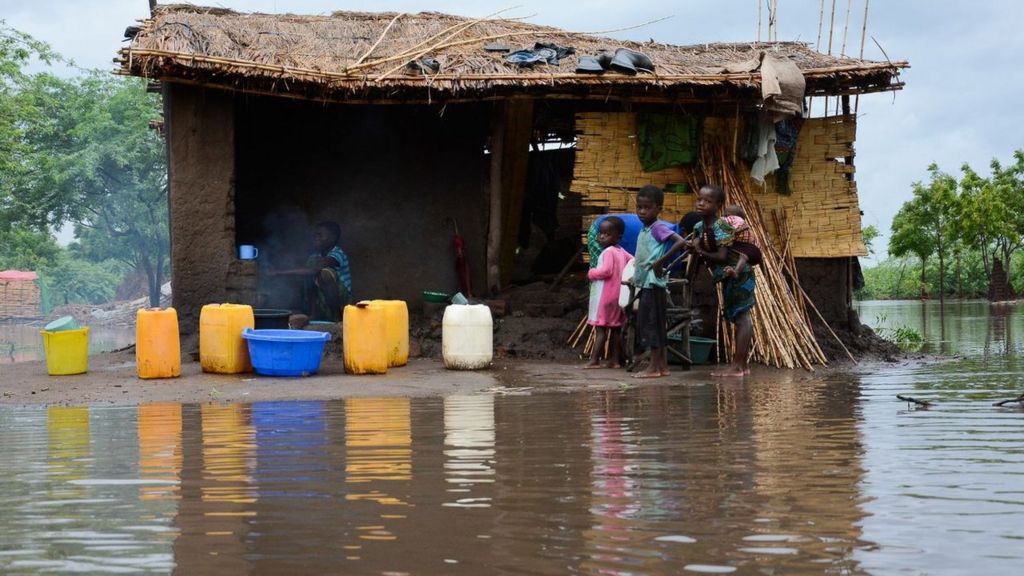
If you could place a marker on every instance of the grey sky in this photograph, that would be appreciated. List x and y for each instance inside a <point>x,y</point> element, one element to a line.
<point>961,103</point>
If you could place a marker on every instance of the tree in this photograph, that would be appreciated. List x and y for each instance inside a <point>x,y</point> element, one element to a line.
<point>870,234</point>
<point>993,217</point>
<point>928,223</point>
<point>908,237</point>
<point>91,159</point>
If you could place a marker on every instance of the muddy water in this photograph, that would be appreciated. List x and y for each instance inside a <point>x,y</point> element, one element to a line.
<point>798,473</point>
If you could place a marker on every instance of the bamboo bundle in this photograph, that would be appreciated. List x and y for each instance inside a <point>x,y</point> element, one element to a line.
<point>782,336</point>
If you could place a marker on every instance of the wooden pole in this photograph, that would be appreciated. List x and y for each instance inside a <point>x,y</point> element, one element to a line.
<point>860,55</point>
<point>497,145</point>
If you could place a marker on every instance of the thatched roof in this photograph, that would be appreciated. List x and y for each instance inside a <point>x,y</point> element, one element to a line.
<point>359,55</point>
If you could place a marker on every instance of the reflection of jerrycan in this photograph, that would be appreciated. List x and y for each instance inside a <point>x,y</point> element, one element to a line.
<point>67,351</point>
<point>160,449</point>
<point>68,432</point>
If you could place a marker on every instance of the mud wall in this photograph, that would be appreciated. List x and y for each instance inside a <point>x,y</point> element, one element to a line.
<point>201,168</point>
<point>826,281</point>
<point>391,176</point>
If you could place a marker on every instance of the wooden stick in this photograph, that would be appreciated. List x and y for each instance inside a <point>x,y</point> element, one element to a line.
<point>457,28</point>
<point>443,46</point>
<point>831,25</point>
<point>846,26</point>
<point>578,328</point>
<point>821,20</point>
<point>860,55</point>
<point>381,37</point>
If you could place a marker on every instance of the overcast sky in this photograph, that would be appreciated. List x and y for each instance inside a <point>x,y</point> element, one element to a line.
<point>962,102</point>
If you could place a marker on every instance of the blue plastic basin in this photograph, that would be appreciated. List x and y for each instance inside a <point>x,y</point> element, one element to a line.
<point>285,352</point>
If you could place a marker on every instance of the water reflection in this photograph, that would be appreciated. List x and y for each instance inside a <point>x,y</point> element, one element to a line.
<point>788,473</point>
<point>469,448</point>
<point>968,327</point>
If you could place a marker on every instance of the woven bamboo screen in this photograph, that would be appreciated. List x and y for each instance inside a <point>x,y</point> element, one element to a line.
<point>822,209</point>
<point>19,299</point>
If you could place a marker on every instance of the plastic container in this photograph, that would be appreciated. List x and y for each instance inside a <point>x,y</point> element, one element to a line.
<point>633,228</point>
<point>67,351</point>
<point>436,297</point>
<point>221,347</point>
<point>700,349</point>
<point>271,318</point>
<point>467,337</point>
<point>396,330</point>
<point>364,339</point>
<point>285,352</point>
<point>157,347</point>
<point>62,323</point>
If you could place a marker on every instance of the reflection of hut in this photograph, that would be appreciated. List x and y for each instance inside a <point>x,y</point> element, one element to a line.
<point>274,122</point>
<point>20,296</point>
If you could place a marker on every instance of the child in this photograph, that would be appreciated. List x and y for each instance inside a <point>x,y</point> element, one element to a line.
<point>605,315</point>
<point>743,241</point>
<point>653,250</point>
<point>714,237</point>
<point>327,280</point>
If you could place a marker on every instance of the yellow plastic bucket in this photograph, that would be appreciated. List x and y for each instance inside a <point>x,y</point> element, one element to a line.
<point>67,351</point>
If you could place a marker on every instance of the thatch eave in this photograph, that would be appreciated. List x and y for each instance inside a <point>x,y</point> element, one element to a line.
<point>344,57</point>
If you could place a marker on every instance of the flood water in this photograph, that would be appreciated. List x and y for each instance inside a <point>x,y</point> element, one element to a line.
<point>798,473</point>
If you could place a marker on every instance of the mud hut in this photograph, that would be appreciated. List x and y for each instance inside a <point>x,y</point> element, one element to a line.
<point>394,125</point>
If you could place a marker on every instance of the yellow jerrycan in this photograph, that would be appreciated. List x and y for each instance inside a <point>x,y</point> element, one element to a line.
<point>364,339</point>
<point>396,330</point>
<point>221,347</point>
<point>157,346</point>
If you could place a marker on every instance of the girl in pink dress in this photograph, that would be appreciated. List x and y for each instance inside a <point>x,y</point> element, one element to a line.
<point>605,314</point>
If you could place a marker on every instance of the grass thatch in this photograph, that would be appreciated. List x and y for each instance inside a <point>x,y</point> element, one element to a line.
<point>362,55</point>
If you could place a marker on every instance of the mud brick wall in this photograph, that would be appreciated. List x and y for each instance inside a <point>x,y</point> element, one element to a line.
<point>826,281</point>
<point>200,128</point>
<point>242,282</point>
<point>20,299</point>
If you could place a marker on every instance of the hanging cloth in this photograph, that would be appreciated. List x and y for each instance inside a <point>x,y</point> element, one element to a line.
<point>666,140</point>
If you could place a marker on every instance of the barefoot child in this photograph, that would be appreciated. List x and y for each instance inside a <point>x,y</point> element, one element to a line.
<point>656,244</point>
<point>743,242</point>
<point>605,314</point>
<point>714,237</point>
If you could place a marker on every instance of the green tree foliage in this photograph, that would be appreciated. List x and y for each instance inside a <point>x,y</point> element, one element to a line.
<point>993,212</point>
<point>81,151</point>
<point>870,234</point>
<point>928,223</point>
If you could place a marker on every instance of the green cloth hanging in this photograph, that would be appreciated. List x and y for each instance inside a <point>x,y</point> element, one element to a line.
<point>666,140</point>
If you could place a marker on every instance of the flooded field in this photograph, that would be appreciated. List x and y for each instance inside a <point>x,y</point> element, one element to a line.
<point>787,473</point>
